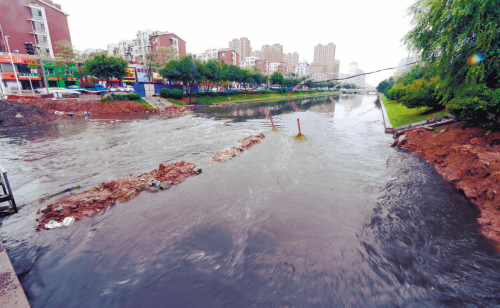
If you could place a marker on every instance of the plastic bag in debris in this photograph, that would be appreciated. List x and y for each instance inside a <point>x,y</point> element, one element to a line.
<point>52,225</point>
<point>65,223</point>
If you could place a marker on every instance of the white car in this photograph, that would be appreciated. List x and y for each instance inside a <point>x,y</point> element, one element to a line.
<point>63,92</point>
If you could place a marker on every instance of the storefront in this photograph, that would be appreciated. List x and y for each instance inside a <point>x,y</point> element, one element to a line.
<point>61,75</point>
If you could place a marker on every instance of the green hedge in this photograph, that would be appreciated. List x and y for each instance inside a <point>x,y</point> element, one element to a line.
<point>177,94</point>
<point>165,93</point>
<point>126,97</point>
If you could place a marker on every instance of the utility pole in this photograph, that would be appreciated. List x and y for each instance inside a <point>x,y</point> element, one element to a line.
<point>4,94</point>
<point>43,71</point>
<point>13,67</point>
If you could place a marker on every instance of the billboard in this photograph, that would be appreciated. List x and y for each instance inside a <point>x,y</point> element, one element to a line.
<point>130,75</point>
<point>142,75</point>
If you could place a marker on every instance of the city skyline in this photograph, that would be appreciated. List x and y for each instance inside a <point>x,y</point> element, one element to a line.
<point>369,35</point>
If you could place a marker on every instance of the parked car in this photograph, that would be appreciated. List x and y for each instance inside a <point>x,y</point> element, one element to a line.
<point>129,88</point>
<point>63,92</point>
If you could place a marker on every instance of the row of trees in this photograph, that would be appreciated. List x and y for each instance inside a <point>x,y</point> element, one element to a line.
<point>460,42</point>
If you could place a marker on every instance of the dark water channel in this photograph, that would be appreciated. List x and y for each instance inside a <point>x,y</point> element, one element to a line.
<point>341,220</point>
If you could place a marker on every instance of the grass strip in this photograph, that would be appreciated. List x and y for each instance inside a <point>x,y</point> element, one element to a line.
<point>400,115</point>
<point>246,97</point>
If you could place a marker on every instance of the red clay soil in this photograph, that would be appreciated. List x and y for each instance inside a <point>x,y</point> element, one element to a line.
<point>87,203</point>
<point>177,111</point>
<point>246,143</point>
<point>470,160</point>
<point>78,106</point>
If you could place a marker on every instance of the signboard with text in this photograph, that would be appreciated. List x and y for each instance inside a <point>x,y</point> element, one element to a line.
<point>130,75</point>
<point>142,75</point>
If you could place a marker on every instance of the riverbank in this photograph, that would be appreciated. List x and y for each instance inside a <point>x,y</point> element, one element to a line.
<point>399,115</point>
<point>248,98</point>
<point>468,158</point>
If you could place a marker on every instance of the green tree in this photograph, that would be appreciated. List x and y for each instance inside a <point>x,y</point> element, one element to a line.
<point>422,93</point>
<point>277,78</point>
<point>154,60</point>
<point>453,36</point>
<point>106,68</point>
<point>186,70</point>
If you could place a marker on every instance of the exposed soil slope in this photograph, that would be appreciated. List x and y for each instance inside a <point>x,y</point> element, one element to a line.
<point>14,114</point>
<point>77,106</point>
<point>470,160</point>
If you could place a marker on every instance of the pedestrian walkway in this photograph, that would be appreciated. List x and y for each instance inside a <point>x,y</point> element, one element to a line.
<point>11,291</point>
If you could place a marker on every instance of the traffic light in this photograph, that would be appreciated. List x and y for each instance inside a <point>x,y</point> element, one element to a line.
<point>29,48</point>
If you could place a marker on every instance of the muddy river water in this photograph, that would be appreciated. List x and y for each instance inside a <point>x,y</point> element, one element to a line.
<point>341,220</point>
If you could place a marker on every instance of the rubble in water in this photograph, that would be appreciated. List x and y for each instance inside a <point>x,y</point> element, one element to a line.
<point>176,111</point>
<point>469,159</point>
<point>89,202</point>
<point>246,143</point>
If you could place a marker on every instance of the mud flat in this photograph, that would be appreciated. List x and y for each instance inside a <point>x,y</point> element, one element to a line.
<point>468,158</point>
<point>14,115</point>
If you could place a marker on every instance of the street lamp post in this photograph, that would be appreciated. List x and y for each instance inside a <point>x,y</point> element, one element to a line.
<point>12,61</point>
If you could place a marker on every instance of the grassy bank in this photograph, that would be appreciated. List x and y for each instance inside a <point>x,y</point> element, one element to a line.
<point>246,97</point>
<point>400,115</point>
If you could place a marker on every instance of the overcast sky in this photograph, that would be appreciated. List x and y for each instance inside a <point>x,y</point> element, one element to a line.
<point>368,32</point>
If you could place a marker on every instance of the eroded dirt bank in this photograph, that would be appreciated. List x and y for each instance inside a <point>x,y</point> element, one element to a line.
<point>87,203</point>
<point>470,160</point>
<point>78,106</point>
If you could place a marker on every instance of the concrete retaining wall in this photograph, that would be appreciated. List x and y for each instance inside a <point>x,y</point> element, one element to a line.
<point>11,292</point>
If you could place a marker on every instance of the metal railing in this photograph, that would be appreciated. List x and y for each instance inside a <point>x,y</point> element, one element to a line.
<point>7,193</point>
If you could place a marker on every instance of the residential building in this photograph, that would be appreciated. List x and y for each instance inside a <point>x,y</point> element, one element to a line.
<point>169,40</point>
<point>227,55</point>
<point>242,47</point>
<point>257,53</point>
<point>291,59</point>
<point>280,67</point>
<point>262,63</point>
<point>303,68</point>
<point>353,67</point>
<point>324,59</point>
<point>41,22</point>
<point>146,41</point>
<point>89,52</point>
<point>273,53</point>
<point>354,70</point>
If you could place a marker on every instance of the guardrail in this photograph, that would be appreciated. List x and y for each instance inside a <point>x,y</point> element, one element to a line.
<point>7,193</point>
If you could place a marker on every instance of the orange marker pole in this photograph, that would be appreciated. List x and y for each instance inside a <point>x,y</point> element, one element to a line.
<point>298,122</point>
<point>270,117</point>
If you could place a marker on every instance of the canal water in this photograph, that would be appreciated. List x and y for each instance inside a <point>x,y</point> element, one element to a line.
<point>341,220</point>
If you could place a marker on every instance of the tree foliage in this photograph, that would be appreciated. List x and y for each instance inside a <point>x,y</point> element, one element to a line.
<point>277,78</point>
<point>105,67</point>
<point>449,33</point>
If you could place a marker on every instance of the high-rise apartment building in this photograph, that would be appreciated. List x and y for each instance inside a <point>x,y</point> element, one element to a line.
<point>273,53</point>
<point>242,46</point>
<point>291,59</point>
<point>42,23</point>
<point>324,59</point>
<point>257,54</point>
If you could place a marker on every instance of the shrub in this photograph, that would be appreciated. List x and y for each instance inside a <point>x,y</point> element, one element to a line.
<point>165,93</point>
<point>177,94</point>
<point>479,105</point>
<point>422,93</point>
<point>133,96</point>
<point>396,91</point>
<point>106,99</point>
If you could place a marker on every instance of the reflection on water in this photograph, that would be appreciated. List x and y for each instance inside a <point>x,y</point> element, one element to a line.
<point>341,220</point>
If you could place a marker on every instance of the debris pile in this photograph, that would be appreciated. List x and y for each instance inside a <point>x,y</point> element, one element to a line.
<point>469,159</point>
<point>176,111</point>
<point>14,114</point>
<point>89,202</point>
<point>246,143</point>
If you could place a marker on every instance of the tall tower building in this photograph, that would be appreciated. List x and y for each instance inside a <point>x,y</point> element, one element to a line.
<point>242,46</point>
<point>324,59</point>
<point>273,53</point>
<point>291,59</point>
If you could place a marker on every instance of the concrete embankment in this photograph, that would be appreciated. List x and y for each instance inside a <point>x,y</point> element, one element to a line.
<point>11,292</point>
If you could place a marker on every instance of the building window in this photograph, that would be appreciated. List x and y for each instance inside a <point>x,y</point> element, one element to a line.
<point>42,40</point>
<point>39,26</point>
<point>50,71</point>
<point>36,13</point>
<point>68,72</point>
<point>139,39</point>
